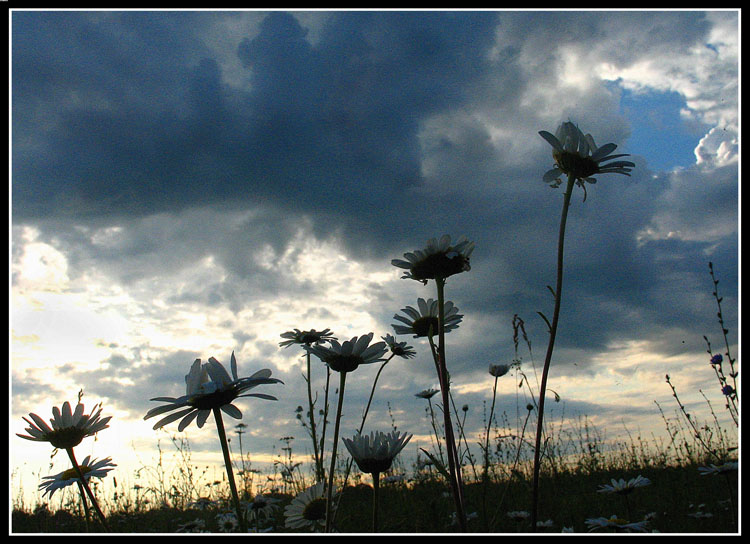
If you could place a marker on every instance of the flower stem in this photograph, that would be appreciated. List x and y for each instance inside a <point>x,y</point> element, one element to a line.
<point>318,461</point>
<point>85,505</point>
<point>85,485</point>
<point>453,462</point>
<point>550,347</point>
<point>361,426</point>
<point>329,491</point>
<point>375,490</point>
<point>485,469</point>
<point>228,464</point>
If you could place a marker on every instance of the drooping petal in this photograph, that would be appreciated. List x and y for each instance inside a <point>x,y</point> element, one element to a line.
<point>172,417</point>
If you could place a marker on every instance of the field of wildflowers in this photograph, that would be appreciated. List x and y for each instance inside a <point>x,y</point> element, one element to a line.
<point>689,485</point>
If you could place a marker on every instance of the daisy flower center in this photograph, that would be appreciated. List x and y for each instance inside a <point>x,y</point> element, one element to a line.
<point>213,400</point>
<point>66,438</point>
<point>572,163</point>
<point>344,363</point>
<point>439,265</point>
<point>71,473</point>
<point>426,325</point>
<point>315,510</point>
<point>373,466</point>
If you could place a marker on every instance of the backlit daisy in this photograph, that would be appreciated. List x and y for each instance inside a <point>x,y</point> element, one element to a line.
<point>307,510</point>
<point>423,322</point>
<point>439,259</point>
<point>622,487</point>
<point>499,370</point>
<point>577,156</point>
<point>616,523</point>
<point>401,349</point>
<point>91,468</point>
<point>427,393</point>
<point>68,427</point>
<point>374,453</point>
<point>306,337</point>
<point>348,356</point>
<point>209,386</point>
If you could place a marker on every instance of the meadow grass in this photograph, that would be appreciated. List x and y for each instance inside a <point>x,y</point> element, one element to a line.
<point>578,461</point>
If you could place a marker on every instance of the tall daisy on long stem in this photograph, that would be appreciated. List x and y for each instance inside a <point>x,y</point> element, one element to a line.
<point>577,156</point>
<point>69,428</point>
<point>308,338</point>
<point>438,261</point>
<point>344,358</point>
<point>400,349</point>
<point>374,454</point>
<point>211,390</point>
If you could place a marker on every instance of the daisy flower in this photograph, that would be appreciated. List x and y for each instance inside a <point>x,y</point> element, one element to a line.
<point>306,337</point>
<point>518,515</point>
<point>577,156</point>
<point>307,510</point>
<point>439,259</point>
<point>227,522</point>
<point>68,427</point>
<point>196,526</point>
<point>348,356</point>
<point>720,469</point>
<point>616,523</point>
<point>622,487</point>
<point>499,370</point>
<point>91,468</point>
<point>423,322</point>
<point>263,507</point>
<point>374,453</point>
<point>399,348</point>
<point>427,393</point>
<point>209,386</point>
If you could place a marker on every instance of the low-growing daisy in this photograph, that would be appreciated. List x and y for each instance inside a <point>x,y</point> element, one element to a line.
<point>577,156</point>
<point>209,386</point>
<point>198,525</point>
<point>613,522</point>
<point>730,466</point>
<point>91,468</point>
<point>622,487</point>
<point>374,453</point>
<point>440,259</point>
<point>346,357</point>
<point>227,522</point>
<point>423,320</point>
<point>307,510</point>
<point>68,427</point>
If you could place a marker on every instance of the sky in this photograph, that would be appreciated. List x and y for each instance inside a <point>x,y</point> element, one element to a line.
<point>191,184</point>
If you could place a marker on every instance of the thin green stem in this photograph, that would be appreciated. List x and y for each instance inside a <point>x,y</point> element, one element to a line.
<point>85,505</point>
<point>325,421</point>
<point>453,462</point>
<point>375,490</point>
<point>318,461</point>
<point>486,468</point>
<point>550,347</point>
<point>228,465</point>
<point>329,491</point>
<point>361,426</point>
<point>85,485</point>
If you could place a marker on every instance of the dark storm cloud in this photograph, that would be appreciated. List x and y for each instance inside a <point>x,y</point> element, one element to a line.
<point>119,114</point>
<point>374,131</point>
